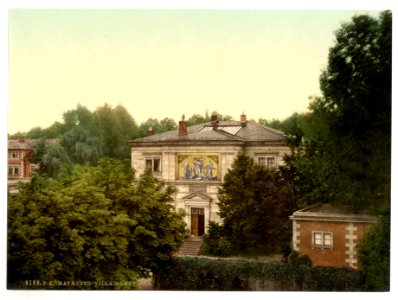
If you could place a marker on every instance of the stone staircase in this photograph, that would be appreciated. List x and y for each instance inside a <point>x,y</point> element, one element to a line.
<point>191,246</point>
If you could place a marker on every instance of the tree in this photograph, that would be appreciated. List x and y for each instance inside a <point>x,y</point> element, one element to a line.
<point>196,119</point>
<point>157,126</point>
<point>255,203</point>
<point>91,224</point>
<point>54,160</point>
<point>374,255</point>
<point>167,124</point>
<point>115,128</point>
<point>356,109</point>
<point>344,154</point>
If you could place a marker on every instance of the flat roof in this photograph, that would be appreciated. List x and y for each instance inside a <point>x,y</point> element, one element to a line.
<point>328,212</point>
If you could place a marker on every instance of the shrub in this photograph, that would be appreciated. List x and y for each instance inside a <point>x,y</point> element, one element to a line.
<point>198,273</point>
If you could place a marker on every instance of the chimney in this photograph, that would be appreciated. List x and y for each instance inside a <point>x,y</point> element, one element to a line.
<point>21,139</point>
<point>243,119</point>
<point>182,127</point>
<point>214,120</point>
<point>150,131</point>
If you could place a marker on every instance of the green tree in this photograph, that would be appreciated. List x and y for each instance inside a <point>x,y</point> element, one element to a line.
<point>196,119</point>
<point>91,224</point>
<point>255,203</point>
<point>274,123</point>
<point>167,124</point>
<point>356,109</point>
<point>54,160</point>
<point>345,150</point>
<point>159,230</point>
<point>157,126</point>
<point>374,255</point>
<point>115,128</point>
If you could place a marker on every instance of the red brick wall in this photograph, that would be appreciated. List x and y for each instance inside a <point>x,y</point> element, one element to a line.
<point>22,161</point>
<point>335,256</point>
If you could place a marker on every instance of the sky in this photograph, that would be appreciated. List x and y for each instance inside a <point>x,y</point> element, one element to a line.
<point>161,63</point>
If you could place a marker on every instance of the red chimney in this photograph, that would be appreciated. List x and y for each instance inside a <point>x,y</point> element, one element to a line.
<point>21,139</point>
<point>182,127</point>
<point>150,131</point>
<point>243,119</point>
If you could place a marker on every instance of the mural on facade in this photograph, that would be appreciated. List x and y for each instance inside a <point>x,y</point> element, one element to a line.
<point>198,166</point>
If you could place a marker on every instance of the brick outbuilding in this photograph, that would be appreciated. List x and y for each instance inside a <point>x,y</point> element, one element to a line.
<point>329,235</point>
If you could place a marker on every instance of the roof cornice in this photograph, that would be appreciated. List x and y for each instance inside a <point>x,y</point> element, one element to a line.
<point>185,143</point>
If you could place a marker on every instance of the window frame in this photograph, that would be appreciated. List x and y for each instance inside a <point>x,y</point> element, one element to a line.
<point>265,158</point>
<point>152,159</point>
<point>322,244</point>
<point>13,168</point>
<point>13,155</point>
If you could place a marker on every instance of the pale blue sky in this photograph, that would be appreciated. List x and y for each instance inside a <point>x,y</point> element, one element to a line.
<point>165,63</point>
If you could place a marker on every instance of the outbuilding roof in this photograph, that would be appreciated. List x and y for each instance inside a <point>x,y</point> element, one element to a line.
<point>335,213</point>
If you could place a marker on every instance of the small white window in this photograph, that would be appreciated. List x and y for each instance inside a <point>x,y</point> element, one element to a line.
<point>327,239</point>
<point>318,239</point>
<point>322,239</point>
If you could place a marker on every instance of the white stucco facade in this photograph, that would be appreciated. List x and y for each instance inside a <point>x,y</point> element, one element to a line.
<point>163,155</point>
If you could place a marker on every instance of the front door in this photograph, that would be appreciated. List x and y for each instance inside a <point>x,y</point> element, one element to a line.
<point>197,221</point>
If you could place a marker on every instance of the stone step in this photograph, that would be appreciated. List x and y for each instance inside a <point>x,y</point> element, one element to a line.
<point>191,246</point>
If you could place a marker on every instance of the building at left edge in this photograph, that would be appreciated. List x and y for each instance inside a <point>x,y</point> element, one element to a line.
<point>196,158</point>
<point>20,166</point>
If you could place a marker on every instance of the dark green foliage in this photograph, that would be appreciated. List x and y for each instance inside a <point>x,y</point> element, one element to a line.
<point>255,203</point>
<point>215,241</point>
<point>196,273</point>
<point>91,224</point>
<point>297,259</point>
<point>374,255</point>
<point>115,127</point>
<point>54,160</point>
<point>341,149</point>
<point>356,113</point>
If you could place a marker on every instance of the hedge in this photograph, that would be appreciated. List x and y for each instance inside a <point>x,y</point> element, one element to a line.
<point>206,274</point>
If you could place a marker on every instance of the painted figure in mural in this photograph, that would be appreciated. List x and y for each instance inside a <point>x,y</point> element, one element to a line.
<point>209,170</point>
<point>187,171</point>
<point>198,161</point>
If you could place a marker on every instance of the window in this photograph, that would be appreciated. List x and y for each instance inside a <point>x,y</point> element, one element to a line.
<point>13,155</point>
<point>269,162</point>
<point>322,239</point>
<point>153,164</point>
<point>13,170</point>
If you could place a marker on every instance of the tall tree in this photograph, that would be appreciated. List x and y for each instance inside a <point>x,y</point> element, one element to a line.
<point>357,109</point>
<point>255,203</point>
<point>345,152</point>
<point>116,127</point>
